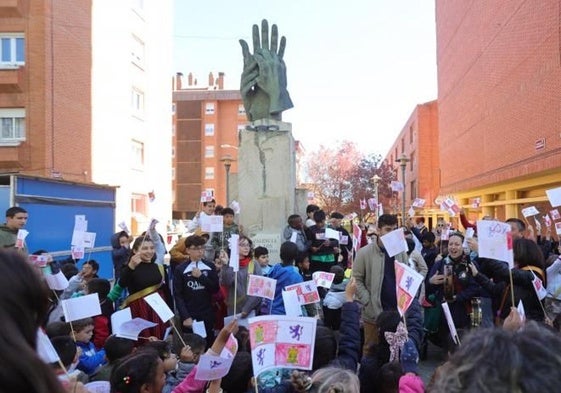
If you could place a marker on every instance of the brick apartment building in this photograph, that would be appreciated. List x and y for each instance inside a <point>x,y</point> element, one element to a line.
<point>499,88</point>
<point>417,141</point>
<point>84,95</point>
<point>206,122</point>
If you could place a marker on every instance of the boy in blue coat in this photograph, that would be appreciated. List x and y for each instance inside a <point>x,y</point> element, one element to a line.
<point>286,274</point>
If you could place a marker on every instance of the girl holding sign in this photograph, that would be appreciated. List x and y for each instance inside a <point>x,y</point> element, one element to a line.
<point>142,276</point>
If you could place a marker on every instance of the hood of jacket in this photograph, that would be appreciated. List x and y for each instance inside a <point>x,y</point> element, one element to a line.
<point>115,239</point>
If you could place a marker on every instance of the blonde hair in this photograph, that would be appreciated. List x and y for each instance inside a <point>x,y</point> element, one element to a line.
<point>326,380</point>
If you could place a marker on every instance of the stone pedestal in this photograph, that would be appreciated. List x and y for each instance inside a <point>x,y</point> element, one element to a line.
<point>266,180</point>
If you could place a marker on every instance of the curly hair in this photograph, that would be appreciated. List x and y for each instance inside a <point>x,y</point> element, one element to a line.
<point>500,361</point>
<point>326,380</point>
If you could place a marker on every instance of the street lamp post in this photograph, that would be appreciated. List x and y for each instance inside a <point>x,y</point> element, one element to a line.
<point>227,160</point>
<point>403,160</point>
<point>375,180</point>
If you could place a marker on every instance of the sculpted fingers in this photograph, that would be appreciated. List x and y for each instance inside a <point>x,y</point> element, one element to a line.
<point>274,38</point>
<point>265,35</point>
<point>256,43</point>
<point>245,52</point>
<point>282,46</point>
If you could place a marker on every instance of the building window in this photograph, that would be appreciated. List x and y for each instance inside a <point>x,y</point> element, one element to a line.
<point>173,107</point>
<point>137,102</point>
<point>172,173</point>
<point>12,123</point>
<point>209,151</point>
<point>209,129</point>
<point>209,173</point>
<point>137,51</point>
<point>402,145</point>
<point>412,161</point>
<point>137,150</point>
<point>411,134</point>
<point>172,152</point>
<point>209,108</point>
<point>396,157</point>
<point>413,189</point>
<point>139,204</point>
<point>173,126</point>
<point>241,109</point>
<point>12,50</point>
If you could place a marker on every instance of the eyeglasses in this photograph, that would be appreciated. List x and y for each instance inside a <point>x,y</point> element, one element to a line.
<point>198,248</point>
<point>244,245</point>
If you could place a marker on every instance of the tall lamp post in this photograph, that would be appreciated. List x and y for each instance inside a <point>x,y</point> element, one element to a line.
<point>403,160</point>
<point>375,180</point>
<point>227,160</point>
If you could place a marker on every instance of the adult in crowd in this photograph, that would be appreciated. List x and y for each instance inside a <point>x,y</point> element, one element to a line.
<point>16,218</point>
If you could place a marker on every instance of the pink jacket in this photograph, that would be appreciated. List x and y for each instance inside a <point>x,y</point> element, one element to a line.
<point>410,384</point>
<point>190,384</point>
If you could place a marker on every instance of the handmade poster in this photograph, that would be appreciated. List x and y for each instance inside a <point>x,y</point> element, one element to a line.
<point>212,367</point>
<point>234,261</point>
<point>307,292</point>
<point>362,204</point>
<point>80,226</point>
<point>469,234</point>
<point>554,196</point>
<point>558,228</point>
<point>159,306</point>
<point>530,211</point>
<point>81,307</point>
<point>547,220</point>
<point>56,282</point>
<point>521,311</point>
<point>394,242</point>
<point>343,239</point>
<point>357,237</point>
<point>132,328</point>
<point>495,241</point>
<point>450,206</point>
<point>451,324</point>
<point>45,348</point>
<point>88,239</point>
<point>206,196</point>
<point>396,186</point>
<point>230,348</point>
<point>331,233</point>
<point>77,252</point>
<point>39,260</point>
<point>407,282</point>
<point>554,213</point>
<point>199,328</point>
<point>323,279</point>
<point>123,226</point>
<point>235,206</point>
<point>418,202</point>
<point>282,341</point>
<point>211,223</point>
<point>320,235</point>
<point>539,288</point>
<point>445,233</point>
<point>475,202</point>
<point>411,212</point>
<point>261,286</point>
<point>292,306</point>
<point>538,225</point>
<point>120,317</point>
<point>20,238</point>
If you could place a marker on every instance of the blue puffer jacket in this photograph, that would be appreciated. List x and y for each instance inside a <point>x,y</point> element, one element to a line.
<point>285,275</point>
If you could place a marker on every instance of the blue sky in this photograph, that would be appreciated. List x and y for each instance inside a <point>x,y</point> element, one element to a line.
<point>356,69</point>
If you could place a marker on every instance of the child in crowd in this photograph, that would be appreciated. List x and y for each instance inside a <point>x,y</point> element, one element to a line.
<point>102,323</point>
<point>220,239</point>
<point>90,360</point>
<point>261,255</point>
<point>294,232</point>
<point>66,350</point>
<point>120,242</point>
<point>285,274</point>
<point>169,359</point>
<point>303,266</point>
<point>188,358</point>
<point>310,210</point>
<point>334,299</point>
<point>77,284</point>
<point>58,328</point>
<point>116,348</point>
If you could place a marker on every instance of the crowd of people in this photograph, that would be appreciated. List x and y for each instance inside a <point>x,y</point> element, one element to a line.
<point>362,342</point>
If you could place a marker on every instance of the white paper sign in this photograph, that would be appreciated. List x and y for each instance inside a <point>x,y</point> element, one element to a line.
<point>199,328</point>
<point>212,223</point>
<point>554,213</point>
<point>554,196</point>
<point>451,324</point>
<point>159,306</point>
<point>131,329</point>
<point>235,206</point>
<point>57,282</point>
<point>20,238</point>
<point>80,223</point>
<point>521,311</point>
<point>539,288</point>
<point>45,348</point>
<point>291,304</point>
<point>530,211</point>
<point>241,321</point>
<point>408,281</point>
<point>307,292</point>
<point>261,286</point>
<point>331,233</point>
<point>495,241</point>
<point>212,367</point>
<point>124,226</point>
<point>294,236</point>
<point>81,307</point>
<point>394,242</point>
<point>230,348</point>
<point>89,239</point>
<point>558,228</point>
<point>323,279</point>
<point>234,252</point>
<point>120,317</point>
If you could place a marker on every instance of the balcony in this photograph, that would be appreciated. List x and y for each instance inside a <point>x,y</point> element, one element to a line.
<point>11,79</point>
<point>11,8</point>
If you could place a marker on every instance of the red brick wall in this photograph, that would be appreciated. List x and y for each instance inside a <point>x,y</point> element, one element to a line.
<point>57,87</point>
<point>499,86</point>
